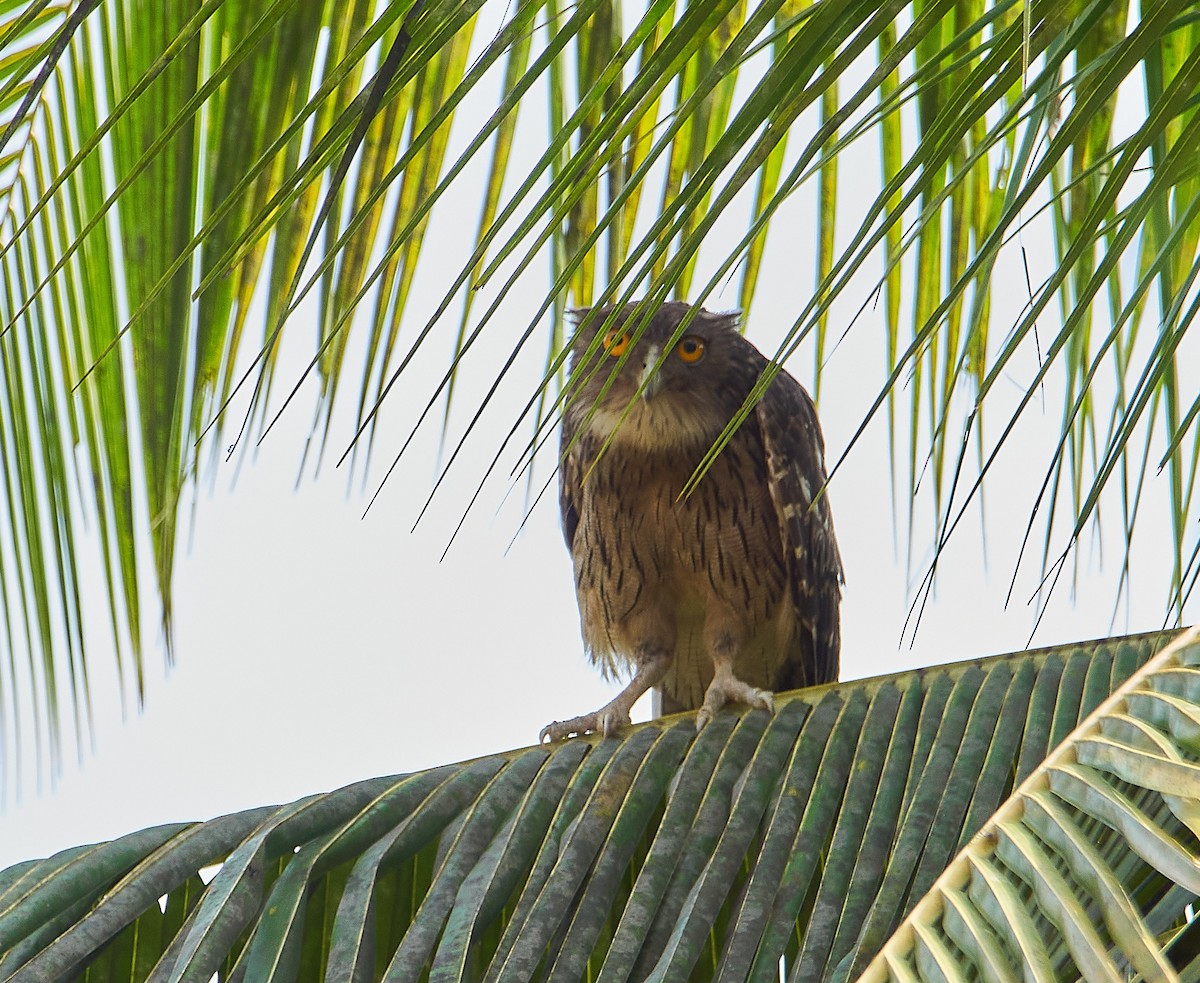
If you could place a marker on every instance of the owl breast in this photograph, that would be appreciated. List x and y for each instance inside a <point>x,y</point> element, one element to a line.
<point>649,564</point>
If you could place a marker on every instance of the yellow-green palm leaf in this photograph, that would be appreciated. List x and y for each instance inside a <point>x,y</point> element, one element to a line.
<point>175,178</point>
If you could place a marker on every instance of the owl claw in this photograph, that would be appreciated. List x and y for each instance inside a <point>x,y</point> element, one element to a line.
<point>729,689</point>
<point>608,720</point>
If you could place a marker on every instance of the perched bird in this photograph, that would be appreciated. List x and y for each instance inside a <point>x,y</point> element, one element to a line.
<point>719,595</point>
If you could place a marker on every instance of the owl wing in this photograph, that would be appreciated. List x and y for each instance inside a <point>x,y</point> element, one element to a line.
<point>570,480</point>
<point>795,458</point>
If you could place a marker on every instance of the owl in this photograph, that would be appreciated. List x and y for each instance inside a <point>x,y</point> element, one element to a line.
<point>720,595</point>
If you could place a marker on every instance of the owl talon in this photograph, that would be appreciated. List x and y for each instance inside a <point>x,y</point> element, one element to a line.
<point>607,720</point>
<point>729,689</point>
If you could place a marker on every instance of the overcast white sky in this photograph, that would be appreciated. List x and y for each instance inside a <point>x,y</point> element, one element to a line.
<point>315,648</point>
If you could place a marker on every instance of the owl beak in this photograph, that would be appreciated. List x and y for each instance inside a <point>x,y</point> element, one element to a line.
<point>650,381</point>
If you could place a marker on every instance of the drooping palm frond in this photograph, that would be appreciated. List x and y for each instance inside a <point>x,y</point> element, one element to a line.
<point>166,166</point>
<point>660,855</point>
<point>1091,870</point>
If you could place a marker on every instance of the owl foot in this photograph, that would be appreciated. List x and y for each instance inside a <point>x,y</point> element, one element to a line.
<point>727,688</point>
<point>608,720</point>
<point>653,660</point>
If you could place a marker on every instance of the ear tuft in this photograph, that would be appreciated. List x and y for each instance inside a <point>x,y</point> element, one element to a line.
<point>726,320</point>
<point>593,315</point>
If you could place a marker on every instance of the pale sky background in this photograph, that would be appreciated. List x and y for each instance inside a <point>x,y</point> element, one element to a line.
<point>315,648</point>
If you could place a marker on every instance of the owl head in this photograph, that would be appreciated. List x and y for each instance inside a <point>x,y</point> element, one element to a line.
<point>672,389</point>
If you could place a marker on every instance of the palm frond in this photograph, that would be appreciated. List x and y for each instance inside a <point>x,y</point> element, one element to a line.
<point>166,170</point>
<point>1090,869</point>
<point>664,855</point>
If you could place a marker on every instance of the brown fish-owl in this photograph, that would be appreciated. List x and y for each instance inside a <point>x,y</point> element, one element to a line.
<point>723,594</point>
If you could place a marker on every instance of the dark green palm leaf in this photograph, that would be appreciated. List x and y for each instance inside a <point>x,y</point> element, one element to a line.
<point>807,836</point>
<point>166,168</point>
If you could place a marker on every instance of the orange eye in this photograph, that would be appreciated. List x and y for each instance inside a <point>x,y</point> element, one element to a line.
<point>615,343</point>
<point>691,349</point>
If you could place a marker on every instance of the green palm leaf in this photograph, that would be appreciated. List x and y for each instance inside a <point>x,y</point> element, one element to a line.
<point>1088,869</point>
<point>166,169</point>
<point>806,836</point>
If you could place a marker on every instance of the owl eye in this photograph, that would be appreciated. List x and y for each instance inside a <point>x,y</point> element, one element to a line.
<point>691,349</point>
<point>615,343</point>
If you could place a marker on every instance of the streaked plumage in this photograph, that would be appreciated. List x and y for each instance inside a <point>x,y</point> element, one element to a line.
<point>737,582</point>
